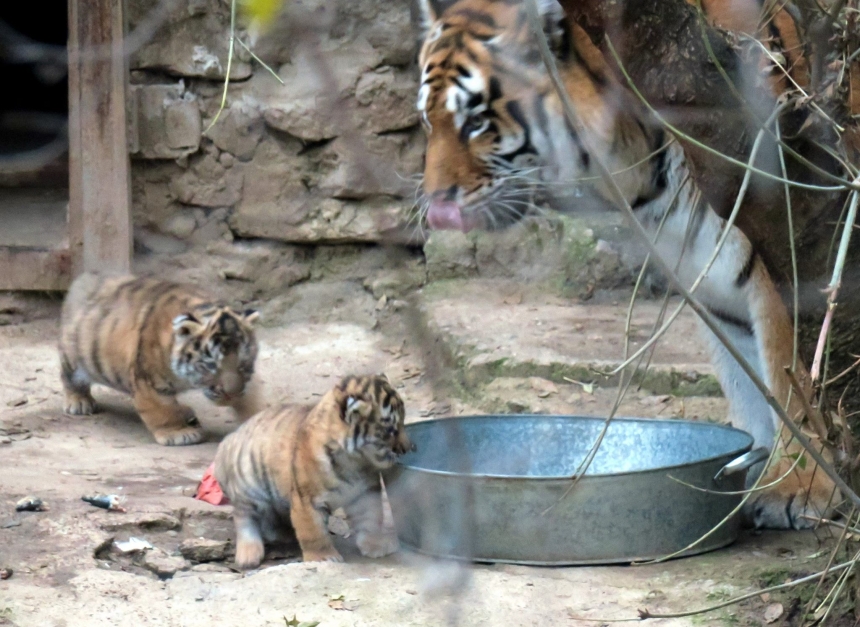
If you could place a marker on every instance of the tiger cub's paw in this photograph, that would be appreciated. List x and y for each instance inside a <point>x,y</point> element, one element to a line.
<point>377,544</point>
<point>79,404</point>
<point>325,555</point>
<point>179,437</point>
<point>249,553</point>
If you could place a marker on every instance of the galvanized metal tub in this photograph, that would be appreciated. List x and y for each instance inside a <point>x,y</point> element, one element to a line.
<point>498,488</point>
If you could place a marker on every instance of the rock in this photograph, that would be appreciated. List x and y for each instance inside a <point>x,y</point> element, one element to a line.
<point>406,277</point>
<point>204,550</point>
<point>190,42</point>
<point>162,564</point>
<point>326,220</point>
<point>449,255</point>
<point>207,183</point>
<point>314,105</point>
<point>238,131</point>
<point>165,121</point>
<point>147,241</point>
<point>270,266</point>
<point>366,166</point>
<point>386,98</point>
<point>212,227</point>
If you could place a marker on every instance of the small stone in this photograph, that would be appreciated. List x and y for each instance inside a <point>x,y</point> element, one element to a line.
<point>5,439</point>
<point>226,159</point>
<point>17,402</point>
<point>181,225</point>
<point>5,573</point>
<point>543,387</point>
<point>204,550</point>
<point>30,504</point>
<point>12,522</point>
<point>162,564</point>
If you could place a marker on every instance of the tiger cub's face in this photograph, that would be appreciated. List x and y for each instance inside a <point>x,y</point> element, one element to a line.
<point>375,414</point>
<point>479,76</point>
<point>214,348</point>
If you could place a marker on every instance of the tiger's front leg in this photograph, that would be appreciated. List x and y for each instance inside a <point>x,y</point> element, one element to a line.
<point>365,515</point>
<point>170,423</point>
<point>743,300</point>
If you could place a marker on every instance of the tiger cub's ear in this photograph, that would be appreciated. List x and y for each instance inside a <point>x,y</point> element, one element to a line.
<point>186,324</point>
<point>356,408</point>
<point>250,316</point>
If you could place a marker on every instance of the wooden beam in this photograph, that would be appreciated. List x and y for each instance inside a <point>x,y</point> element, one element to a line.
<point>34,269</point>
<point>100,228</point>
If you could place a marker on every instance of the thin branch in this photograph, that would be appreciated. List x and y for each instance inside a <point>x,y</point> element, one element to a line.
<point>835,282</point>
<point>229,65</point>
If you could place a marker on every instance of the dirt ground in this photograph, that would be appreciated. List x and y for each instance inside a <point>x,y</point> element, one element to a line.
<point>507,346</point>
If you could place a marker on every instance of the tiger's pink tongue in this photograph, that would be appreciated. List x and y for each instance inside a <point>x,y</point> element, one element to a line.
<point>444,215</point>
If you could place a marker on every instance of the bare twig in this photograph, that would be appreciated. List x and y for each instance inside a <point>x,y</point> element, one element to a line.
<point>230,48</point>
<point>835,282</point>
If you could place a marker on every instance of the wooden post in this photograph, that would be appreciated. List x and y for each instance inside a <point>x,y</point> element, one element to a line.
<point>100,228</point>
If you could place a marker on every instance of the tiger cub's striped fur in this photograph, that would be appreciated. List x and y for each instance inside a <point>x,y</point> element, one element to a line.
<point>153,339</point>
<point>299,463</point>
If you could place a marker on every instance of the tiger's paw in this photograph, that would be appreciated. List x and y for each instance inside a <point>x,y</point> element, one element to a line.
<point>327,555</point>
<point>179,437</point>
<point>79,404</point>
<point>377,544</point>
<point>796,502</point>
<point>249,553</point>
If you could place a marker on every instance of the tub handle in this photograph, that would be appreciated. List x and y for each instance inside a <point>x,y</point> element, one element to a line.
<point>743,463</point>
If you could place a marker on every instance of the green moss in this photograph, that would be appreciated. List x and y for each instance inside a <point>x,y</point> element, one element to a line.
<point>655,381</point>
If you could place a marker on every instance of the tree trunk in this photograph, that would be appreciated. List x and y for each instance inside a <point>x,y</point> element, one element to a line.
<point>662,47</point>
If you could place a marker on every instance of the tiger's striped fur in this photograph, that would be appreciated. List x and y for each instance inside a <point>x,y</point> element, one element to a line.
<point>496,132</point>
<point>298,464</point>
<point>153,339</point>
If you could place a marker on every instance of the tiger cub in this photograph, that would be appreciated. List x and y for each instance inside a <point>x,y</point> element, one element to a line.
<point>153,339</point>
<point>299,463</point>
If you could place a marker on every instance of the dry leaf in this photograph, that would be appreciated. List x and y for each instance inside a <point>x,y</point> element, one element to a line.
<point>772,612</point>
<point>339,603</point>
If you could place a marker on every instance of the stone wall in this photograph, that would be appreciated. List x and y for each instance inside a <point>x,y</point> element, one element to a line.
<point>330,155</point>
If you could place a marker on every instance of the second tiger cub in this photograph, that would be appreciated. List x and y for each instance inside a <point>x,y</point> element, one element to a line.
<point>153,339</point>
<point>297,464</point>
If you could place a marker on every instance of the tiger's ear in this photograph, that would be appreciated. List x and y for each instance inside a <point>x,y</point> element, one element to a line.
<point>555,27</point>
<point>250,316</point>
<point>186,324</point>
<point>425,12</point>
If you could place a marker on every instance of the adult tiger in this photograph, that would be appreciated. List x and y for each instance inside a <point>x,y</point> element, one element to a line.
<point>495,130</point>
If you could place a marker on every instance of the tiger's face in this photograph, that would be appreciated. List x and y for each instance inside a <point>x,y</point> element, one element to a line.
<point>214,348</point>
<point>480,72</point>
<point>375,414</point>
